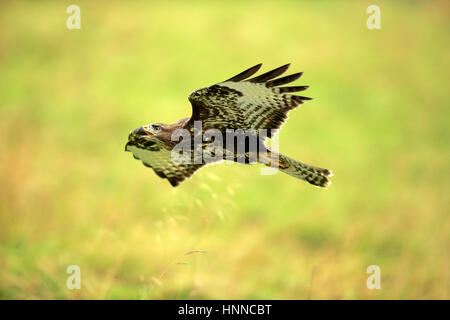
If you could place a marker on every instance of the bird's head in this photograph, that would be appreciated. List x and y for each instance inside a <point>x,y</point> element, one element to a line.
<point>148,130</point>
<point>146,135</point>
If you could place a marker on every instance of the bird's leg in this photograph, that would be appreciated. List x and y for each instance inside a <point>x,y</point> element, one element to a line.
<point>272,160</point>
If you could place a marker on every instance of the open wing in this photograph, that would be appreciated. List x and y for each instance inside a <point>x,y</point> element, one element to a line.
<point>158,157</point>
<point>257,103</point>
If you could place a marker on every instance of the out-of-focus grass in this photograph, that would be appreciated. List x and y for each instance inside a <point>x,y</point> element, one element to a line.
<point>70,195</point>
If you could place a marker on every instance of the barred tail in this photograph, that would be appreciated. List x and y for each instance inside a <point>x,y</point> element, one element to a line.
<point>314,175</point>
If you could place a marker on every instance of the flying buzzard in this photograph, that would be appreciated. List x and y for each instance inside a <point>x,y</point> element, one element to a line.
<point>249,105</point>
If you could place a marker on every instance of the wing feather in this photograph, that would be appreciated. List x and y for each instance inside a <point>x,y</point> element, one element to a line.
<point>245,74</point>
<point>284,80</point>
<point>270,75</point>
<point>256,104</point>
<point>292,89</point>
<point>160,160</point>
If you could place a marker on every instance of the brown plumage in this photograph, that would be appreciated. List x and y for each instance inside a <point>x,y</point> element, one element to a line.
<point>237,103</point>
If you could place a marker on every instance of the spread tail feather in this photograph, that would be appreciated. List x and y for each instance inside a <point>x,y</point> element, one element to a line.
<point>314,175</point>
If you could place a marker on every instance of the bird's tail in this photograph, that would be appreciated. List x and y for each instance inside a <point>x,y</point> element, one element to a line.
<point>314,175</point>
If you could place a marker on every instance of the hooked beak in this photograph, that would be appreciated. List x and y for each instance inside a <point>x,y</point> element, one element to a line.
<point>141,131</point>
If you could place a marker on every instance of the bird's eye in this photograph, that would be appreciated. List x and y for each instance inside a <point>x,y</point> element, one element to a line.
<point>155,127</point>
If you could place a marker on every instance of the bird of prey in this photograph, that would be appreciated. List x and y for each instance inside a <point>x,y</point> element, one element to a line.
<point>238,103</point>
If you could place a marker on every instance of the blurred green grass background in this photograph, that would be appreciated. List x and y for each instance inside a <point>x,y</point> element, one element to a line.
<point>70,195</point>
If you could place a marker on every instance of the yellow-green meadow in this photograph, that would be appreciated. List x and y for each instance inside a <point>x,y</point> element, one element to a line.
<point>70,195</point>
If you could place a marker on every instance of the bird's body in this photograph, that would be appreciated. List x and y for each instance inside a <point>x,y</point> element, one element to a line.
<point>230,121</point>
